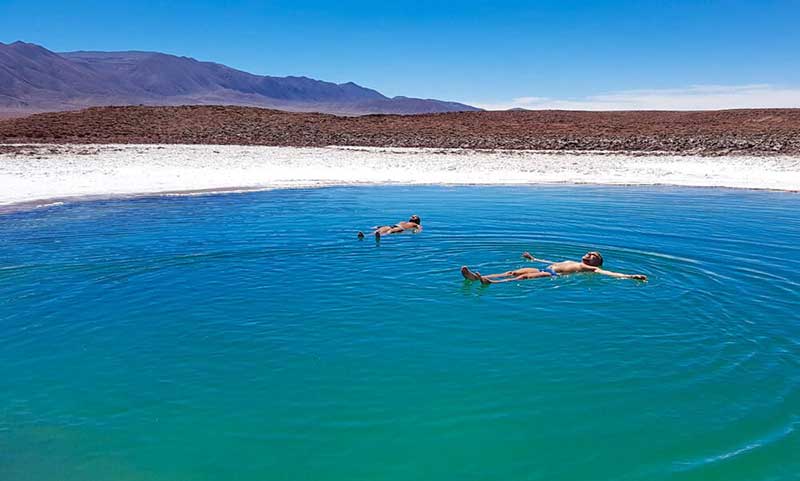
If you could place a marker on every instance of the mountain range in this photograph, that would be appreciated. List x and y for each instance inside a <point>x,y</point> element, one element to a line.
<point>34,79</point>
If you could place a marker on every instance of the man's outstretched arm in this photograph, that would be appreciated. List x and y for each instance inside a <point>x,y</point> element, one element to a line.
<point>619,275</point>
<point>529,256</point>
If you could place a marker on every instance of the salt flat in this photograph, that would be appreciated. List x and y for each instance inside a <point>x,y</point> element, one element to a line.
<point>46,172</point>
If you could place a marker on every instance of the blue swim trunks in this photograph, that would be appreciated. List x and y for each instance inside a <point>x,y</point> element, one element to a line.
<point>550,271</point>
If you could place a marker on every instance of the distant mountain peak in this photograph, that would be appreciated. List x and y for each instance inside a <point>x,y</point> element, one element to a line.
<point>35,78</point>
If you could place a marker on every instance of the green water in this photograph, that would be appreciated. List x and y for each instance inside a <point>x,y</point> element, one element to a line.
<point>252,337</point>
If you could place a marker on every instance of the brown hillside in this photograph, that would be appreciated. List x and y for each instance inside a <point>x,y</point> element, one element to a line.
<point>756,131</point>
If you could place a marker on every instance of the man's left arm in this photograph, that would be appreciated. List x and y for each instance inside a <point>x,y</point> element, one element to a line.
<point>619,275</point>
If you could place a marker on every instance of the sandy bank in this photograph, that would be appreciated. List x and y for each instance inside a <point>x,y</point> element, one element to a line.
<point>35,173</point>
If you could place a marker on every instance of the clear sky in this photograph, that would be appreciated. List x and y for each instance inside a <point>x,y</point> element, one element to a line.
<point>569,54</point>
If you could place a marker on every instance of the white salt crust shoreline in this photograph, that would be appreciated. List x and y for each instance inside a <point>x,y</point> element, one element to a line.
<point>53,172</point>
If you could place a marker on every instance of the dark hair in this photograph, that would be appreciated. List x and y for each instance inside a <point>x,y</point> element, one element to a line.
<point>415,219</point>
<point>599,257</point>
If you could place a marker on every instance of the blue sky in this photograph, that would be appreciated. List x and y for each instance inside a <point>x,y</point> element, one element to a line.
<point>547,53</point>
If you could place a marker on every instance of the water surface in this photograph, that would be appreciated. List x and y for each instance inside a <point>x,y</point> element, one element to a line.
<point>251,337</point>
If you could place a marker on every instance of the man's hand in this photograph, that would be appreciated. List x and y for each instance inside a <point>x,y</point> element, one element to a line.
<point>527,255</point>
<point>638,277</point>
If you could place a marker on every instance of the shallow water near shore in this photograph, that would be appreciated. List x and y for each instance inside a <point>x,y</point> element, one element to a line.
<point>252,336</point>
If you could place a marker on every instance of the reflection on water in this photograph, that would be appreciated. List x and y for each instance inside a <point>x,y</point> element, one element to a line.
<point>252,336</point>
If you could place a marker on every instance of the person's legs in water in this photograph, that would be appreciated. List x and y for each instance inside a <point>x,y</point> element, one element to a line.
<point>522,277</point>
<point>525,271</point>
<point>469,275</point>
<point>514,273</point>
<point>378,232</point>
<point>383,230</point>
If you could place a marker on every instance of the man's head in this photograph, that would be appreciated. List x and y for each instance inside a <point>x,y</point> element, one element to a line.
<point>415,219</point>
<point>593,259</point>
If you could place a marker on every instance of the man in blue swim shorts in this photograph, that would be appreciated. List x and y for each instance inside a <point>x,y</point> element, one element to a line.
<point>591,263</point>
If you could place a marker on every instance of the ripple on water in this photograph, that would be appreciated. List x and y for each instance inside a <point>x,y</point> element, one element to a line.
<point>260,318</point>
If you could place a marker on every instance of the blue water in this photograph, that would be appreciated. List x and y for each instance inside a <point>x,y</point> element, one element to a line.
<point>252,337</point>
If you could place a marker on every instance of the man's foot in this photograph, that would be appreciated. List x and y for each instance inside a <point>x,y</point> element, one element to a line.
<point>468,274</point>
<point>360,235</point>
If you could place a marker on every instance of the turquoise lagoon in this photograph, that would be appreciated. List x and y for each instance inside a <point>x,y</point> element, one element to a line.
<point>253,337</point>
